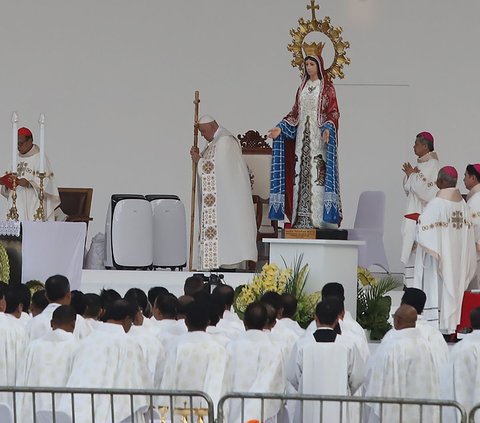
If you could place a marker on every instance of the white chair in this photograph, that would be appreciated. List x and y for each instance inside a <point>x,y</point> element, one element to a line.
<point>46,416</point>
<point>368,227</point>
<point>6,415</point>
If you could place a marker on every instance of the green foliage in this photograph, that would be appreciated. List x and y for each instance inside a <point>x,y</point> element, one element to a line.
<point>373,306</point>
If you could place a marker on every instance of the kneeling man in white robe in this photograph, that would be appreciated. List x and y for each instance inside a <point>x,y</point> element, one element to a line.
<point>402,367</point>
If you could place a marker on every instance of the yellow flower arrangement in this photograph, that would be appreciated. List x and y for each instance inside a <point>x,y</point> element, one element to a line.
<point>289,280</point>
<point>4,265</point>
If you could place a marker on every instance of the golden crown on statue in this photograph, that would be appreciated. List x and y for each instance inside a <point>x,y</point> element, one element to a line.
<point>313,49</point>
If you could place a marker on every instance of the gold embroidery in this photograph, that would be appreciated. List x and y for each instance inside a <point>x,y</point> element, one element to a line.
<point>457,219</point>
<point>209,200</point>
<point>208,167</point>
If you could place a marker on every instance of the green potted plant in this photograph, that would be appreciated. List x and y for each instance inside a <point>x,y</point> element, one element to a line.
<point>373,305</point>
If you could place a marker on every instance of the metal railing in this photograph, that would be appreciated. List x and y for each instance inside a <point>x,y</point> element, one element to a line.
<point>78,405</point>
<point>472,413</point>
<point>339,409</point>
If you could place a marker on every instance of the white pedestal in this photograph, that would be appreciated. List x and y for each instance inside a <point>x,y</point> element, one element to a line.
<point>328,260</point>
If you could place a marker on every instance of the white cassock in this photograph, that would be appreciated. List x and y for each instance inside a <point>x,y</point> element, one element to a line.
<point>218,335</point>
<point>446,259</point>
<point>28,166</point>
<point>195,362</point>
<point>48,363</point>
<point>323,368</point>
<point>40,324</point>
<point>152,349</point>
<point>231,325</point>
<point>462,375</point>
<point>167,330</point>
<point>473,201</point>
<point>255,365</point>
<point>402,367</point>
<point>108,359</point>
<point>286,336</point>
<point>228,230</point>
<point>25,318</point>
<point>420,188</point>
<point>292,325</point>
<point>13,341</point>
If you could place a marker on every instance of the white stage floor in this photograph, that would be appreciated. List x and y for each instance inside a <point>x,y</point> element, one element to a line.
<point>122,280</point>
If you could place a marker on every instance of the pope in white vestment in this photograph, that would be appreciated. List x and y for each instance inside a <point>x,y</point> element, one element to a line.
<point>446,259</point>
<point>420,188</point>
<point>228,230</point>
<point>28,168</point>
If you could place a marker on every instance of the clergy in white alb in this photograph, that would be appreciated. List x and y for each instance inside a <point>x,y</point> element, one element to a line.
<point>166,326</point>
<point>28,181</point>
<point>195,361</point>
<point>324,363</point>
<point>289,310</point>
<point>48,361</point>
<point>255,365</point>
<point>420,188</point>
<point>57,290</point>
<point>229,323</point>
<point>402,367</point>
<point>446,259</point>
<point>109,359</point>
<point>462,375</point>
<point>228,230</point>
<point>434,339</point>
<point>472,183</point>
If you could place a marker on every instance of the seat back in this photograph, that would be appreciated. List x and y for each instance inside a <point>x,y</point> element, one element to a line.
<point>6,415</point>
<point>370,211</point>
<point>76,203</point>
<point>48,416</point>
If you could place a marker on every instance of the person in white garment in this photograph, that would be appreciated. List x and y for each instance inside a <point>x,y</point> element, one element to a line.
<point>13,341</point>
<point>324,363</point>
<point>229,323</point>
<point>28,181</point>
<point>472,183</point>
<point>416,298</point>
<point>195,361</point>
<point>228,231</point>
<point>462,377</point>
<point>289,308</point>
<point>255,365</point>
<point>445,260</point>
<point>57,290</point>
<point>109,359</point>
<point>48,360</point>
<point>420,187</point>
<point>402,367</point>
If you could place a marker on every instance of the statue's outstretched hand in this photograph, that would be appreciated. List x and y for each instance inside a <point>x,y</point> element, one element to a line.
<point>274,133</point>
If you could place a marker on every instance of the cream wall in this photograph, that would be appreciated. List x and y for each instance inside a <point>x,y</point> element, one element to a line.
<point>116,78</point>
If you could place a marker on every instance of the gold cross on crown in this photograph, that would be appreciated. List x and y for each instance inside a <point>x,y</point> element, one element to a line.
<point>312,6</point>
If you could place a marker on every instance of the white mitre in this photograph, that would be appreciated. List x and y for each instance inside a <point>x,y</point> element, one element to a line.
<point>206,119</point>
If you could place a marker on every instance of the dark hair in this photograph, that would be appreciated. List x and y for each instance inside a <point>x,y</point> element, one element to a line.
<point>13,298</point>
<point>168,305</point>
<point>473,172</point>
<point>226,293</point>
<point>272,298</point>
<point>64,314</point>
<point>426,142</point>
<point>193,284</point>
<point>57,287</point>
<point>120,310</point>
<point>197,318</point>
<point>137,295</point>
<point>255,316</point>
<point>289,305</point>
<point>93,305</point>
<point>78,302</point>
<point>26,296</point>
<point>39,299</point>
<point>108,297</point>
<point>475,318</point>
<point>184,303</point>
<point>154,292</point>
<point>327,310</point>
<point>333,289</point>
<point>3,289</point>
<point>216,307</point>
<point>414,297</point>
<point>319,73</point>
<point>271,313</point>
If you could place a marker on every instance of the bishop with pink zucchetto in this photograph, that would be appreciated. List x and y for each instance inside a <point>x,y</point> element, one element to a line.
<point>446,260</point>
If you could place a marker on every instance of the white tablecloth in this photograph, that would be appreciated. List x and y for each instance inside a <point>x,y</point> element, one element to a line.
<point>51,248</point>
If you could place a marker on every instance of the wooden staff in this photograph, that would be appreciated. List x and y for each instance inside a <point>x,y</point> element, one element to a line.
<point>194,180</point>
